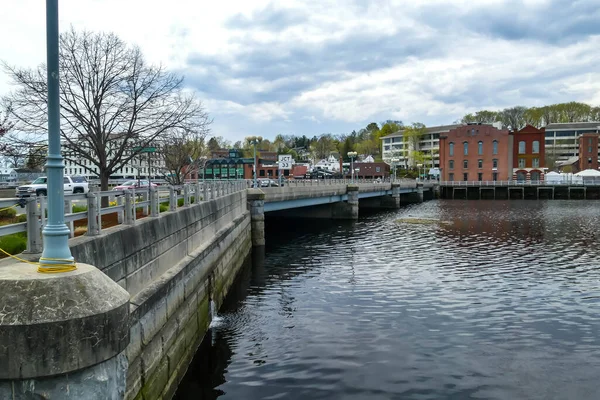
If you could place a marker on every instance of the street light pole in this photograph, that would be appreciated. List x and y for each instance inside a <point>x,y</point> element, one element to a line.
<point>56,255</point>
<point>352,154</point>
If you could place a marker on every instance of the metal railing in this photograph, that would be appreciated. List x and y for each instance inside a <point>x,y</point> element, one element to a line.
<point>519,184</point>
<point>124,203</point>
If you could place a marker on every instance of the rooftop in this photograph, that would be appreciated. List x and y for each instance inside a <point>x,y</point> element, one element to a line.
<point>573,125</point>
<point>431,129</point>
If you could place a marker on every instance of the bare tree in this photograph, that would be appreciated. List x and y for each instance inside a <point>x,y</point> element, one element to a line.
<point>184,153</point>
<point>113,104</point>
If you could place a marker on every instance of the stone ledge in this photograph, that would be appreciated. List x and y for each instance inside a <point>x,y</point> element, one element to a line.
<point>53,324</point>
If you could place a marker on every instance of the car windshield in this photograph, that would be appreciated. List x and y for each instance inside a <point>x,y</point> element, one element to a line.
<point>39,181</point>
<point>78,179</point>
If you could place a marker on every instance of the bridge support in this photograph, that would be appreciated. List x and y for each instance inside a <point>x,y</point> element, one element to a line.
<point>256,205</point>
<point>62,336</point>
<point>348,210</point>
<point>393,201</point>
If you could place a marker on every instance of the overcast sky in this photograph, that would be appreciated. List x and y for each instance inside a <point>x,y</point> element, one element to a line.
<point>310,67</point>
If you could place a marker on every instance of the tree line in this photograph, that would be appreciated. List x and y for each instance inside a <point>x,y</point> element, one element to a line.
<point>517,117</point>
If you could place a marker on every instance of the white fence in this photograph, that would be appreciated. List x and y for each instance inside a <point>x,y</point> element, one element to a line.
<point>125,203</point>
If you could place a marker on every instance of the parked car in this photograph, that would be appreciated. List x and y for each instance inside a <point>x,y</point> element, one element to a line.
<point>39,187</point>
<point>268,183</point>
<point>135,184</point>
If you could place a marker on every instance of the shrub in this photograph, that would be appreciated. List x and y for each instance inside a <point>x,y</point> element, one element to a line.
<point>164,207</point>
<point>14,244</point>
<point>8,213</point>
<point>22,218</point>
<point>180,203</point>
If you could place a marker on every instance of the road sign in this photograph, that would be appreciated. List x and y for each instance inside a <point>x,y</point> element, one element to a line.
<point>145,149</point>
<point>285,161</point>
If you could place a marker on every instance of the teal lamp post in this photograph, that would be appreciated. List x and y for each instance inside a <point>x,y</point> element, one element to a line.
<point>254,140</point>
<point>56,255</point>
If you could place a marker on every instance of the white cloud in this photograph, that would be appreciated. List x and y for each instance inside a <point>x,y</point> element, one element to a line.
<point>314,64</point>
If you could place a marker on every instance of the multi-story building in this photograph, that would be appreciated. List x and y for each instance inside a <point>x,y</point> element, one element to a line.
<point>528,154</point>
<point>588,151</point>
<point>144,165</point>
<point>562,140</point>
<point>476,152</point>
<point>399,151</point>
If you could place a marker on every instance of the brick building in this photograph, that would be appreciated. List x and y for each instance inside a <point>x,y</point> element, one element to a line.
<point>588,151</point>
<point>476,152</point>
<point>369,170</point>
<point>529,154</point>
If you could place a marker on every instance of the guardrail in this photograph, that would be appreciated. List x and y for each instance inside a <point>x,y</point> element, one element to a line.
<point>125,203</point>
<point>516,183</point>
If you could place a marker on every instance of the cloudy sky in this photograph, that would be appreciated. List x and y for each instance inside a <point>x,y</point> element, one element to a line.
<point>309,67</point>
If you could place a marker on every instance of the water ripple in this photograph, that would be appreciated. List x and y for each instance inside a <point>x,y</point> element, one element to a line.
<point>499,303</point>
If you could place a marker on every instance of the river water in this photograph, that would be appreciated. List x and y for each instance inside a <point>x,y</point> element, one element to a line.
<point>500,301</point>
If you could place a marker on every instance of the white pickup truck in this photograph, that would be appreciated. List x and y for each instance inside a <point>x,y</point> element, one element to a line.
<point>39,187</point>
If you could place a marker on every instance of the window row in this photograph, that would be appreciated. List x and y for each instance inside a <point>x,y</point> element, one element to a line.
<point>535,147</point>
<point>535,163</point>
<point>479,164</point>
<point>479,148</point>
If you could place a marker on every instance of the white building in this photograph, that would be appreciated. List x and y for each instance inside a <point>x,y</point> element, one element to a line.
<point>330,164</point>
<point>562,140</point>
<point>397,150</point>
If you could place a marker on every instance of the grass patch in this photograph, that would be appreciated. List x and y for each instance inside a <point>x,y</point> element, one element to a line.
<point>164,207</point>
<point>78,208</point>
<point>13,244</point>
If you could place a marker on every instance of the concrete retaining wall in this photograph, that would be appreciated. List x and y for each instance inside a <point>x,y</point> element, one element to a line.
<point>172,266</point>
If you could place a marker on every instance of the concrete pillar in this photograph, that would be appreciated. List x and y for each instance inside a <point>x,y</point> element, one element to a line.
<point>392,201</point>
<point>93,228</point>
<point>62,336</point>
<point>420,192</point>
<point>256,205</point>
<point>352,191</point>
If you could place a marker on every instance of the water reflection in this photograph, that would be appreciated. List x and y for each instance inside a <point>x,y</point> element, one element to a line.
<point>499,304</point>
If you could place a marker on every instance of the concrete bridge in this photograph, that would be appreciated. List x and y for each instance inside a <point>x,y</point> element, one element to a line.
<point>172,269</point>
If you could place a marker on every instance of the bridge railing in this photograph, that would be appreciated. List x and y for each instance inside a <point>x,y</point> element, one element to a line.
<point>518,184</point>
<point>84,213</point>
<point>329,182</point>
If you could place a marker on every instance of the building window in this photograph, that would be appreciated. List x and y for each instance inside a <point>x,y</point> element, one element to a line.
<point>377,169</point>
<point>534,176</point>
<point>535,162</point>
<point>495,147</point>
<point>494,163</point>
<point>521,163</point>
<point>521,147</point>
<point>535,147</point>
<point>466,176</point>
<point>589,149</point>
<point>465,163</point>
<point>261,172</point>
<point>479,163</point>
<point>451,164</point>
<point>480,148</point>
<point>589,160</point>
<point>494,176</point>
<point>451,148</point>
<point>451,176</point>
<point>479,176</point>
<point>589,141</point>
<point>465,148</point>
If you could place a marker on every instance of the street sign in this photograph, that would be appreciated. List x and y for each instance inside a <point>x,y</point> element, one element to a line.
<point>145,149</point>
<point>285,161</point>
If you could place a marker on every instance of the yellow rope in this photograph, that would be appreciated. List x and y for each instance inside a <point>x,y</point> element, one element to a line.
<point>46,268</point>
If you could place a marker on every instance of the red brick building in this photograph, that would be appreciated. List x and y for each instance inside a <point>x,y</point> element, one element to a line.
<point>476,152</point>
<point>529,153</point>
<point>588,151</point>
